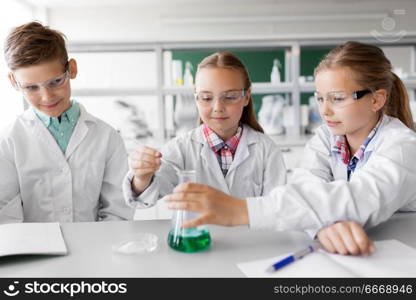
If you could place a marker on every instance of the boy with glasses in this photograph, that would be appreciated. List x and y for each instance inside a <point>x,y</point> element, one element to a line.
<point>58,163</point>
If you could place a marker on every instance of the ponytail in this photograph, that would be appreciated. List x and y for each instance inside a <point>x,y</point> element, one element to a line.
<point>398,103</point>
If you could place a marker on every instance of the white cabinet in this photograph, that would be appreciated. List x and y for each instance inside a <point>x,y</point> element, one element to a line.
<point>291,148</point>
<point>291,157</point>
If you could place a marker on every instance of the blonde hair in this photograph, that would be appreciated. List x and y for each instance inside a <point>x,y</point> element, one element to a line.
<point>228,60</point>
<point>372,70</point>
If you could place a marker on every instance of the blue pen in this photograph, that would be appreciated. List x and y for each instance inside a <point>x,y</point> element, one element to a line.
<point>291,258</point>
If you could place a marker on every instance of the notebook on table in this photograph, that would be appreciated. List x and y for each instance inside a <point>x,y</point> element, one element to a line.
<point>391,259</point>
<point>31,238</point>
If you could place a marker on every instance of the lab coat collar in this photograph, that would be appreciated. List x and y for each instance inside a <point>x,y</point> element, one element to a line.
<point>80,131</point>
<point>385,120</point>
<point>72,114</point>
<point>370,147</point>
<point>30,115</point>
<point>212,162</point>
<point>249,137</point>
<point>41,133</point>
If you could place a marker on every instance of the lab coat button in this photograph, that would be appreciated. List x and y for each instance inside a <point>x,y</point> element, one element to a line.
<point>67,210</point>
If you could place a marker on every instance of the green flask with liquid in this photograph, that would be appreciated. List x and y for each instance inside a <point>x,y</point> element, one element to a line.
<point>187,239</point>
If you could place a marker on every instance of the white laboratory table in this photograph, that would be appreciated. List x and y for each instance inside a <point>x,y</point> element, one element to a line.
<point>90,250</point>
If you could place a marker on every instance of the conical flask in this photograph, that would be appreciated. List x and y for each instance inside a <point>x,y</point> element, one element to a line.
<point>187,239</point>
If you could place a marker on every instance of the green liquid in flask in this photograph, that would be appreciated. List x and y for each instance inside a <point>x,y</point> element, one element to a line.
<point>189,240</point>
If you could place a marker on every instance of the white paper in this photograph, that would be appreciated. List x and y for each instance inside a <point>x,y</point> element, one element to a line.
<point>391,259</point>
<point>31,238</point>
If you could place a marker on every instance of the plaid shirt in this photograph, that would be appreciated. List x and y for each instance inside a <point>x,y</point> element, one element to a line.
<point>223,150</point>
<point>341,147</point>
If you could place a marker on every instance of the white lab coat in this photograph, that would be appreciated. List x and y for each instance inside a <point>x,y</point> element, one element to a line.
<point>41,184</point>
<point>257,167</point>
<point>319,195</point>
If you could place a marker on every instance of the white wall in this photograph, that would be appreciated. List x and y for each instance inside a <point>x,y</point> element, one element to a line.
<point>206,20</point>
<point>11,15</point>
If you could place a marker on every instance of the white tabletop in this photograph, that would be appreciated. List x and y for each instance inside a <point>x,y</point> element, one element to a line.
<point>90,250</point>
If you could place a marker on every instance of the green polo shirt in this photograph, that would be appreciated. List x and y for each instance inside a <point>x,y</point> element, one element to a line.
<point>61,130</point>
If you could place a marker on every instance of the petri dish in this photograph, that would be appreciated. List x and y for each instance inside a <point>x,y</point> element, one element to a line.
<point>141,244</point>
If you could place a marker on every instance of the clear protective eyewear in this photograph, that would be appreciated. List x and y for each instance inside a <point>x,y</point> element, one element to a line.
<point>51,84</point>
<point>339,99</point>
<point>227,97</point>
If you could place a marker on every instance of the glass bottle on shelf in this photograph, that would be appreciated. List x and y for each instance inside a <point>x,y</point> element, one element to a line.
<point>270,115</point>
<point>188,79</point>
<point>177,72</point>
<point>275,74</point>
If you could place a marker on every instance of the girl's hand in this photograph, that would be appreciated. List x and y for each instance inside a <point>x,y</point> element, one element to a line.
<point>214,206</point>
<point>144,162</point>
<point>346,238</point>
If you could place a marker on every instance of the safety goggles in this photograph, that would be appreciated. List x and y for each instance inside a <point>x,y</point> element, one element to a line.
<point>340,99</point>
<point>51,84</point>
<point>227,97</point>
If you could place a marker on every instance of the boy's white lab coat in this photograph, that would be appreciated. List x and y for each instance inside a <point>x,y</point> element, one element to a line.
<point>318,194</point>
<point>41,184</point>
<point>257,167</point>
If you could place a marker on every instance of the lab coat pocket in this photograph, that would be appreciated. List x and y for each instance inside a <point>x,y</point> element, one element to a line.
<point>89,179</point>
<point>252,186</point>
<point>257,177</point>
<point>12,211</point>
<point>37,189</point>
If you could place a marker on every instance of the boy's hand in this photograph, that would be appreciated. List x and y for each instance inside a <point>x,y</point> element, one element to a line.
<point>144,162</point>
<point>346,238</point>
